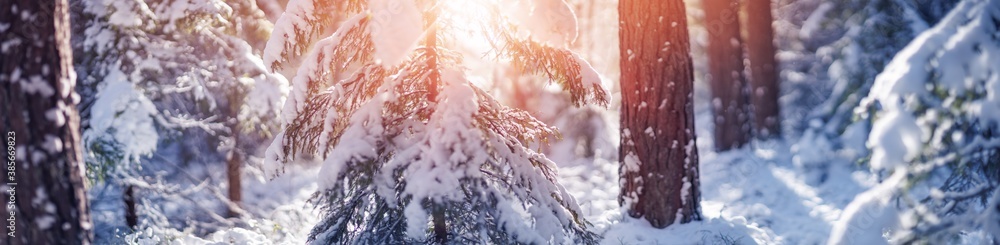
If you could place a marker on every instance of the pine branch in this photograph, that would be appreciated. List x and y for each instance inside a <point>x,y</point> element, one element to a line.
<point>512,122</point>
<point>560,65</point>
<point>304,133</point>
<point>351,44</point>
<point>309,19</point>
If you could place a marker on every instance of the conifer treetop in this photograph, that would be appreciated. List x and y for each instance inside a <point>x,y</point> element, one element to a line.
<point>402,132</point>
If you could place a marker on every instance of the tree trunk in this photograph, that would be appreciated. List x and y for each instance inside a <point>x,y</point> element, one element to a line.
<point>233,174</point>
<point>725,60</point>
<point>763,69</point>
<point>433,81</point>
<point>440,228</point>
<point>659,171</point>
<point>41,126</point>
<point>131,217</point>
<point>234,161</point>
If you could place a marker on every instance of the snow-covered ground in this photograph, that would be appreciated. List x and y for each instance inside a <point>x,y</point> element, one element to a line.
<point>751,195</point>
<point>277,212</point>
<point>754,195</point>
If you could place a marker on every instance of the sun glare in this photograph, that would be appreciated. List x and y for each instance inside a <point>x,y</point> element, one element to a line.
<point>468,23</point>
<point>465,17</point>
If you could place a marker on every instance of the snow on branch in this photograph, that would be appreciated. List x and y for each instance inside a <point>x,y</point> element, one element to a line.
<point>562,66</point>
<point>945,80</point>
<point>350,44</point>
<point>504,120</point>
<point>153,70</point>
<point>302,24</point>
<point>935,114</point>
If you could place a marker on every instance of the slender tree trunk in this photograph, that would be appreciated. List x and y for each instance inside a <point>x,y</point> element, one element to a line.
<point>234,174</point>
<point>763,69</point>
<point>659,171</point>
<point>131,217</point>
<point>430,43</point>
<point>440,228</point>
<point>234,162</point>
<point>725,58</point>
<point>41,126</point>
<point>433,81</point>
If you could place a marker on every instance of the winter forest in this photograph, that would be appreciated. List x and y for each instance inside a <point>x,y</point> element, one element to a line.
<point>500,121</point>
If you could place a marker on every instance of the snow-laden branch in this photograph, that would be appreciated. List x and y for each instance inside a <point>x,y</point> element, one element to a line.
<point>561,66</point>
<point>935,123</point>
<point>303,23</point>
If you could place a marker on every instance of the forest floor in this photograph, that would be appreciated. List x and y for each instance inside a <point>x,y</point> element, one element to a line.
<point>759,194</point>
<point>753,195</point>
<point>756,194</point>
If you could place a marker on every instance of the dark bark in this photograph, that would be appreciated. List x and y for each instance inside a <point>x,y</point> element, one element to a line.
<point>38,104</point>
<point>131,217</point>
<point>763,69</point>
<point>730,110</point>
<point>234,160</point>
<point>658,153</point>
<point>440,228</point>
<point>234,175</point>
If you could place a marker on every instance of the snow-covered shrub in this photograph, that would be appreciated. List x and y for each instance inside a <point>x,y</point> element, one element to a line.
<point>408,142</point>
<point>936,115</point>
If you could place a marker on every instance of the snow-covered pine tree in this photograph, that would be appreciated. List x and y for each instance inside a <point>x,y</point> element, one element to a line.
<point>853,41</point>
<point>936,115</point>
<point>872,32</point>
<point>876,30</point>
<point>171,75</point>
<point>412,150</point>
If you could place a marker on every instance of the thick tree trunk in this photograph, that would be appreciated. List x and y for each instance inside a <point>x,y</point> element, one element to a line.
<point>659,171</point>
<point>41,126</point>
<point>763,69</point>
<point>725,59</point>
